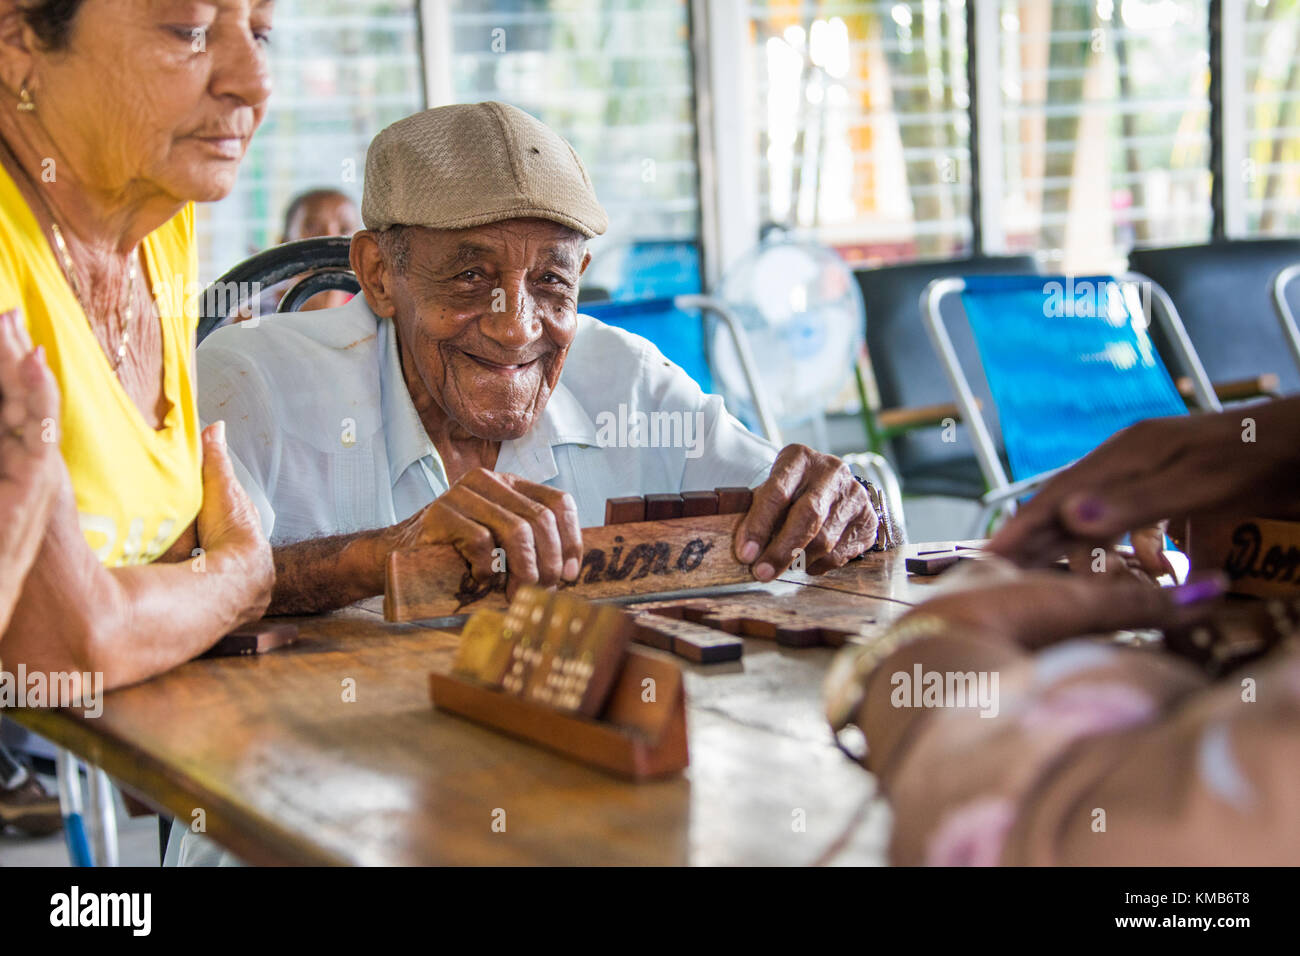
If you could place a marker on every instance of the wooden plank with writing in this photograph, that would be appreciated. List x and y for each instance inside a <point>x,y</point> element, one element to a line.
<point>621,559</point>
<point>1260,556</point>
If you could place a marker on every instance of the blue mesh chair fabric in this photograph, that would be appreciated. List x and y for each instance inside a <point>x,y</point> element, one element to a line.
<point>909,376</point>
<point>1068,362</point>
<point>678,334</point>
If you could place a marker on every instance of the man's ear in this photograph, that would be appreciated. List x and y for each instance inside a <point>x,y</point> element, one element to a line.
<point>376,279</point>
<point>16,41</point>
<point>586,261</point>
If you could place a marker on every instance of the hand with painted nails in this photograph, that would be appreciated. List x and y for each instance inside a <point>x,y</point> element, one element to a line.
<point>535,527</point>
<point>810,502</point>
<point>31,468</point>
<point>1240,462</point>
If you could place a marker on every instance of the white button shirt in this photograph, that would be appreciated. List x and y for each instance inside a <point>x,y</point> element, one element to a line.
<point>326,439</point>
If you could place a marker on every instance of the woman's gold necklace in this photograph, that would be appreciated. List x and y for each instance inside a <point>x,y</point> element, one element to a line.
<point>65,258</point>
<point>127,313</point>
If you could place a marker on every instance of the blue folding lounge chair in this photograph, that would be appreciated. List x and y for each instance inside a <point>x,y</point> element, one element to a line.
<point>1067,361</point>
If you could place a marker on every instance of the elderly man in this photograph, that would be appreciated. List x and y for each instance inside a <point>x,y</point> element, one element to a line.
<point>462,400</point>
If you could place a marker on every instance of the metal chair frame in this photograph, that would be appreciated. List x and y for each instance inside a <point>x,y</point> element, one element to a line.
<point>1282,307</point>
<point>869,464</point>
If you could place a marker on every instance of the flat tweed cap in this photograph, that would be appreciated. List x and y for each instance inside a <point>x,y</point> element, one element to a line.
<point>467,165</point>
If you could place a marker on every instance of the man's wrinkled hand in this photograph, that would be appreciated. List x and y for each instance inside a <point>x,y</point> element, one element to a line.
<point>809,502</point>
<point>534,525</point>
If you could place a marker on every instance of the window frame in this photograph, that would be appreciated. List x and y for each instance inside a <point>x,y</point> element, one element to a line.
<point>721,39</point>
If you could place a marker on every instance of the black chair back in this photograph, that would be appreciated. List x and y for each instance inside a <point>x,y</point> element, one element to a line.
<point>322,262</point>
<point>909,374</point>
<point>1222,292</point>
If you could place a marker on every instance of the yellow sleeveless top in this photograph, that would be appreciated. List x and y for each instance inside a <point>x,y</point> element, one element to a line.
<point>137,489</point>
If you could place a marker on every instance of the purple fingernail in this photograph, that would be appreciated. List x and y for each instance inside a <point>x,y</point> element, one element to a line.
<point>1197,592</point>
<point>1090,509</point>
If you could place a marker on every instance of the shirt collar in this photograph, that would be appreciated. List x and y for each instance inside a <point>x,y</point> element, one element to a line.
<point>563,422</point>
<point>404,433</point>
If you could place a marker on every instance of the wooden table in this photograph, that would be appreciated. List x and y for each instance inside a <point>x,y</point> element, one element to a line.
<point>286,770</point>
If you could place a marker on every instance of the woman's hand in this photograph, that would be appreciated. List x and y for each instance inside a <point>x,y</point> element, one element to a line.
<point>1146,561</point>
<point>1241,462</point>
<point>31,468</point>
<point>229,530</point>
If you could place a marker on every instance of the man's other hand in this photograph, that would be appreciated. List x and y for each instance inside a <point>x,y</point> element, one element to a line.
<point>810,501</point>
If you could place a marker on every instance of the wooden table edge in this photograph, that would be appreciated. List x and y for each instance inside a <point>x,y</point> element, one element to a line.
<point>148,777</point>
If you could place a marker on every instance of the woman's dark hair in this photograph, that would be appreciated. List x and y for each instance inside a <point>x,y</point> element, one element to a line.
<point>51,20</point>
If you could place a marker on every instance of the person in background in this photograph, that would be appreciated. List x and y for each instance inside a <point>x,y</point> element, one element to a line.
<point>319,212</point>
<point>1088,752</point>
<point>140,110</point>
<point>309,215</point>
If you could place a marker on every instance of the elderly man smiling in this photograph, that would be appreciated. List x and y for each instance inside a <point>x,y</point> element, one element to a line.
<point>458,401</point>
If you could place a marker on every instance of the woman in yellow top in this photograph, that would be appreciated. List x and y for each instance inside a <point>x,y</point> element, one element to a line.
<point>115,116</point>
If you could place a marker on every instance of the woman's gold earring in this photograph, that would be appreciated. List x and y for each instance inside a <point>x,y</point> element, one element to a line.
<point>25,104</point>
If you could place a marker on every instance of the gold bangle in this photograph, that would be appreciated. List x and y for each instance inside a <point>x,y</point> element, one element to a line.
<point>845,687</point>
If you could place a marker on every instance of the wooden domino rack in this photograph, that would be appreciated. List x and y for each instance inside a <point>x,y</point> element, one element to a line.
<point>557,671</point>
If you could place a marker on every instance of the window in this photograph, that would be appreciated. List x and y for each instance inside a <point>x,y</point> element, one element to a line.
<point>614,78</point>
<point>862,124</point>
<point>1105,121</point>
<point>341,71</point>
<point>856,120</point>
<point>1272,65</point>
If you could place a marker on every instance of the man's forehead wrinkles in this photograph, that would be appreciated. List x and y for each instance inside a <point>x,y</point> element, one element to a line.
<point>466,252</point>
<point>564,254</point>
